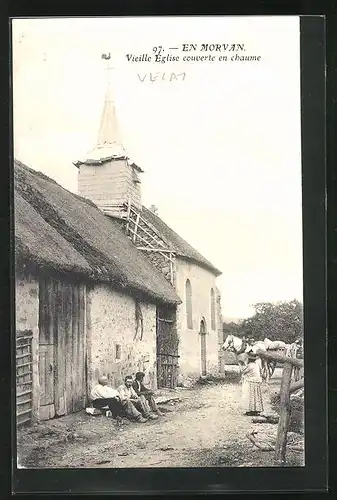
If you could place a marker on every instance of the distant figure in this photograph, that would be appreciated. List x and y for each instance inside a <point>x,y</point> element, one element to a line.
<point>137,406</point>
<point>141,390</point>
<point>299,344</point>
<point>102,395</point>
<point>251,387</point>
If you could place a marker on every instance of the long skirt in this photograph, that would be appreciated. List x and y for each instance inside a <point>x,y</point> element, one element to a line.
<point>252,396</point>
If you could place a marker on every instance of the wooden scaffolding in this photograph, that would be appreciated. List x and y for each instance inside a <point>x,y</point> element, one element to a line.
<point>144,235</point>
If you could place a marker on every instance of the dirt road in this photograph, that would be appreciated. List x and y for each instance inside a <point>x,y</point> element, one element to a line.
<point>205,428</point>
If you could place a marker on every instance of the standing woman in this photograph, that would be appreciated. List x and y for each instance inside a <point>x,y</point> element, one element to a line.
<point>251,386</point>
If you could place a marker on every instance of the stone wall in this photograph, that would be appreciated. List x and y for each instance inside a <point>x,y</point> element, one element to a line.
<point>27,318</point>
<point>202,281</point>
<point>162,264</point>
<point>113,349</point>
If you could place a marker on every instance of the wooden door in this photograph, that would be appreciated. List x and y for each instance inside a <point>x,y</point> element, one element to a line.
<point>203,347</point>
<point>167,348</point>
<point>46,379</point>
<point>71,350</point>
<point>46,352</point>
<point>62,347</point>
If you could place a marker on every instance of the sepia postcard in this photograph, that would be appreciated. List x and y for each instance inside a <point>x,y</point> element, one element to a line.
<point>158,242</point>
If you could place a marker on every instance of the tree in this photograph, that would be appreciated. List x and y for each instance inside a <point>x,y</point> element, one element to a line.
<point>280,321</point>
<point>231,328</point>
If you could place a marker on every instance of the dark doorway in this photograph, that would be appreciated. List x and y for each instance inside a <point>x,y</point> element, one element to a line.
<point>203,347</point>
<point>167,347</point>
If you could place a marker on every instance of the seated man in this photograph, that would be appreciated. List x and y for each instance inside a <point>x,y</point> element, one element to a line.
<point>102,395</point>
<point>141,390</point>
<point>135,406</point>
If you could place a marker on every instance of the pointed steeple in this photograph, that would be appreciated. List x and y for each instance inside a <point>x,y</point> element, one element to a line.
<point>106,175</point>
<point>109,138</point>
<point>109,133</point>
<point>109,142</point>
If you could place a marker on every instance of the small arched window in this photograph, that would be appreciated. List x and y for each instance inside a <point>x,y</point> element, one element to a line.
<point>188,298</point>
<point>213,322</point>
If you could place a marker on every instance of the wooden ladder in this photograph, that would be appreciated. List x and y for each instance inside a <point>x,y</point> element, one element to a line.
<point>144,236</point>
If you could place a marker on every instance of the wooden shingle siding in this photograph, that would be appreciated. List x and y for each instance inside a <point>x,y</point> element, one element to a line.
<point>111,183</point>
<point>62,347</point>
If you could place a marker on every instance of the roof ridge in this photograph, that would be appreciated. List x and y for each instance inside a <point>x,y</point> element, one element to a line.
<point>41,175</point>
<point>198,257</point>
<point>53,219</point>
<point>163,222</point>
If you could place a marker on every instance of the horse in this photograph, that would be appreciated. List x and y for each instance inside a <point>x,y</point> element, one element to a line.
<point>294,350</point>
<point>240,347</point>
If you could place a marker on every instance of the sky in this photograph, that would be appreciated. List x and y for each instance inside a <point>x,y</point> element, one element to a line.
<point>220,145</point>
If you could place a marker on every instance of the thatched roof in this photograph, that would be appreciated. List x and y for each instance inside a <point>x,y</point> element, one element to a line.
<point>68,233</point>
<point>38,241</point>
<point>178,244</point>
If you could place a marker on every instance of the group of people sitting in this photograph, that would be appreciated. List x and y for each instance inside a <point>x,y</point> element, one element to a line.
<point>131,399</point>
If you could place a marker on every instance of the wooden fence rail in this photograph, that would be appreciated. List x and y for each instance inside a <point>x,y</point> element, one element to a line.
<point>285,409</point>
<point>279,358</point>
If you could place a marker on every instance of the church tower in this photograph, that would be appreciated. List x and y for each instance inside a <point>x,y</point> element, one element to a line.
<point>106,175</point>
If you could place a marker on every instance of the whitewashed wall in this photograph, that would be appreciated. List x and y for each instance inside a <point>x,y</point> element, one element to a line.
<point>202,281</point>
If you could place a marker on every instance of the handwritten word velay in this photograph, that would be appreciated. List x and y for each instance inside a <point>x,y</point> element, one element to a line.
<point>168,77</point>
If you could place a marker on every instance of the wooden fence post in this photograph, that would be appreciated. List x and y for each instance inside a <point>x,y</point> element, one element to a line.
<point>285,408</point>
<point>282,431</point>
